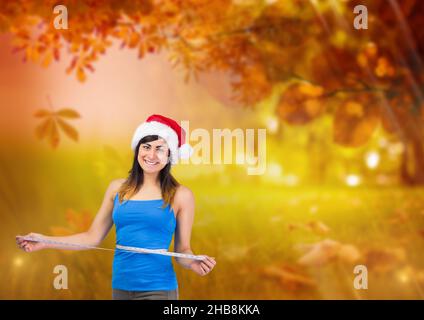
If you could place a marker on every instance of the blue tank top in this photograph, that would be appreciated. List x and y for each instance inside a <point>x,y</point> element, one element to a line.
<point>144,224</point>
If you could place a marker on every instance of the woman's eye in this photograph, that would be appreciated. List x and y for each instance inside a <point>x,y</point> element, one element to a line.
<point>145,147</point>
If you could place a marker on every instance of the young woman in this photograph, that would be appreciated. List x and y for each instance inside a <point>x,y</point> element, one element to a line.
<point>147,208</point>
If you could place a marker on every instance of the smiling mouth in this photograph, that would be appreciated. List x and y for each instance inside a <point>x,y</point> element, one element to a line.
<point>150,163</point>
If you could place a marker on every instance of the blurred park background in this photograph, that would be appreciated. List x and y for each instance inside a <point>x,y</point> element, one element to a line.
<point>344,113</point>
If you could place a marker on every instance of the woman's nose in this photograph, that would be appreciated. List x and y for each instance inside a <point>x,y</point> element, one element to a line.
<point>151,153</point>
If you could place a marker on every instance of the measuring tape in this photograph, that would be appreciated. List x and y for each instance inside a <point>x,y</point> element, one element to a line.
<point>162,252</point>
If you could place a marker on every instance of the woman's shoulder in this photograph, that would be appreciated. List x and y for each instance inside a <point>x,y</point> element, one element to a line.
<point>183,195</point>
<point>114,186</point>
<point>117,183</point>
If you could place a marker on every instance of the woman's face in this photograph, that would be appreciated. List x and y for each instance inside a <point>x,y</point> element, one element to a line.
<point>153,156</point>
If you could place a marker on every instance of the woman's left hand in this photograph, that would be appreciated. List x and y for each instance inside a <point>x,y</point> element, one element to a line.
<point>203,267</point>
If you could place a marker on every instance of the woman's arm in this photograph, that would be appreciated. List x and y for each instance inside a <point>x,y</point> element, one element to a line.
<point>98,230</point>
<point>184,204</point>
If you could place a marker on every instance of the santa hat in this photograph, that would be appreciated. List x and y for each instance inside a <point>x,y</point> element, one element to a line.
<point>167,129</point>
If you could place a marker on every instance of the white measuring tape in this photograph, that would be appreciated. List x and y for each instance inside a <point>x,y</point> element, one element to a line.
<point>163,252</point>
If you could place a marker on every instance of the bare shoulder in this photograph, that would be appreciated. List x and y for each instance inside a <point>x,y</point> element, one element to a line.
<point>114,187</point>
<point>117,183</point>
<point>183,199</point>
<point>184,194</point>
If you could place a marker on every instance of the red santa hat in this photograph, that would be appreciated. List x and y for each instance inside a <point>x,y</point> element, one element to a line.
<point>167,129</point>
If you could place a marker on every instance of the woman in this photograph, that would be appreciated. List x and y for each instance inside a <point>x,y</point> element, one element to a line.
<point>147,208</point>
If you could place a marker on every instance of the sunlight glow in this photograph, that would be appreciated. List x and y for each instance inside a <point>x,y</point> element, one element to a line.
<point>372,159</point>
<point>18,261</point>
<point>403,277</point>
<point>291,180</point>
<point>395,149</point>
<point>353,180</point>
<point>274,170</point>
<point>272,124</point>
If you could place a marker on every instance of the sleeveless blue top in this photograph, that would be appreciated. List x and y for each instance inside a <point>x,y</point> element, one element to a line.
<point>144,224</point>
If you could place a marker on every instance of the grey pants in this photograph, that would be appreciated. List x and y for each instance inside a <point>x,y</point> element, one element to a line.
<point>145,295</point>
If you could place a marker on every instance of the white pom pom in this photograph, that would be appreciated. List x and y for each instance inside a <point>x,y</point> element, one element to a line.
<point>185,151</point>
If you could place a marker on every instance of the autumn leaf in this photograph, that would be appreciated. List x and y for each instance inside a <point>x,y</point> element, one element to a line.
<point>290,277</point>
<point>384,68</point>
<point>133,40</point>
<point>368,59</point>
<point>53,135</point>
<point>255,82</point>
<point>348,253</point>
<point>78,221</point>
<point>68,113</point>
<point>367,55</point>
<point>335,68</point>
<point>52,122</point>
<point>43,129</point>
<point>327,251</point>
<point>319,253</point>
<point>371,50</point>
<point>81,75</point>
<point>317,227</point>
<point>355,122</point>
<point>384,259</point>
<point>47,59</point>
<point>400,217</point>
<point>42,113</point>
<point>68,129</point>
<point>301,103</point>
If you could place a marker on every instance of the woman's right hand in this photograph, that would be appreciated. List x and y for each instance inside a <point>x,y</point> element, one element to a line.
<point>30,246</point>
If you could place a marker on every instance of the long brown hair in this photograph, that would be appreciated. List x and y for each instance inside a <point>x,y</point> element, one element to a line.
<point>135,179</point>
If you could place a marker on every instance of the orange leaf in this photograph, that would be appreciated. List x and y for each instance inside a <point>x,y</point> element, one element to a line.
<point>355,122</point>
<point>301,103</point>
<point>326,251</point>
<point>319,253</point>
<point>54,135</point>
<point>385,259</point>
<point>32,54</point>
<point>68,113</point>
<point>72,65</point>
<point>289,277</point>
<point>44,128</point>
<point>354,109</point>
<point>141,51</point>
<point>79,221</point>
<point>134,40</point>
<point>319,227</point>
<point>310,90</point>
<point>47,59</point>
<point>384,68</point>
<point>371,49</point>
<point>70,131</point>
<point>42,113</point>
<point>90,67</point>
<point>56,54</point>
<point>81,75</point>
